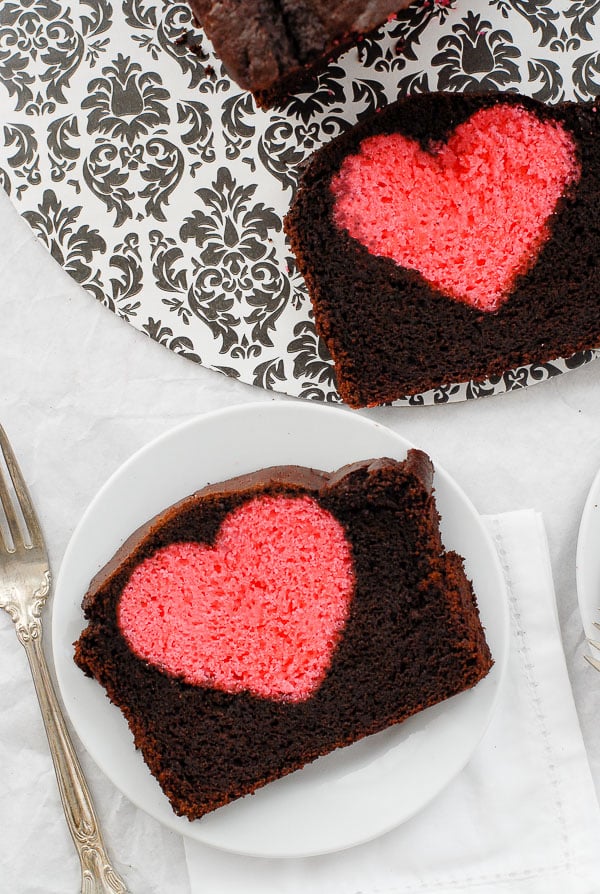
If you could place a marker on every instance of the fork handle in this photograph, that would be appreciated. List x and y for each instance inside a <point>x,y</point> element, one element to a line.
<point>97,873</point>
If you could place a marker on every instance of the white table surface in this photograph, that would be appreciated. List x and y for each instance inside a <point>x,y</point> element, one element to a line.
<point>80,391</point>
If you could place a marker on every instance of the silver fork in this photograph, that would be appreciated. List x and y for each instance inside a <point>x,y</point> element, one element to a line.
<point>594,661</point>
<point>25,582</point>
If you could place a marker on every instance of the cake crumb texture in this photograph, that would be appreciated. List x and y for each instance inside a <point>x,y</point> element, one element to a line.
<point>500,176</point>
<point>260,610</point>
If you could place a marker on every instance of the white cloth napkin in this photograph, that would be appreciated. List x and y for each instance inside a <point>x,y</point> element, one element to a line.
<point>522,816</point>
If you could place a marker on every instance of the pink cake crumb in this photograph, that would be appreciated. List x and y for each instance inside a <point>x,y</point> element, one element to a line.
<point>471,214</point>
<point>260,611</point>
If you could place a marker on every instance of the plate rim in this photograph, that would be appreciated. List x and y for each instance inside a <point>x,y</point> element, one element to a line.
<point>190,830</point>
<point>589,524</point>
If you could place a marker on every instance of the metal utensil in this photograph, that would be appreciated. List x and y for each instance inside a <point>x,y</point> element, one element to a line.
<point>25,582</point>
<point>594,661</point>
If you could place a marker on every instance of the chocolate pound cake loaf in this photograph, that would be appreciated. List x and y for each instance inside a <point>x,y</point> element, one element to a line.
<point>452,237</point>
<point>272,47</point>
<point>270,619</point>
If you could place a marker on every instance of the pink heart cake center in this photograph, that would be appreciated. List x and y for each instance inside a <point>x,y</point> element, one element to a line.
<point>260,611</point>
<point>471,214</point>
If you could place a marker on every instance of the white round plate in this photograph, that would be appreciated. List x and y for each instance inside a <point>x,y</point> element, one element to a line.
<point>355,793</point>
<point>588,562</point>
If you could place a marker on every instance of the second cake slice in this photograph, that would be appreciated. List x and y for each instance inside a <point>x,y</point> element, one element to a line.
<point>452,237</point>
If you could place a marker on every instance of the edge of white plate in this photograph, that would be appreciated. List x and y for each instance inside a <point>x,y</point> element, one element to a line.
<point>587,576</point>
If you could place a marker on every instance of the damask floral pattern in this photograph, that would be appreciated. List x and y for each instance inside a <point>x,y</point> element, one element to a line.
<point>42,46</point>
<point>157,184</point>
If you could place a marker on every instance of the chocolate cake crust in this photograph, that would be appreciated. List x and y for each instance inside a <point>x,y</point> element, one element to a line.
<point>270,47</point>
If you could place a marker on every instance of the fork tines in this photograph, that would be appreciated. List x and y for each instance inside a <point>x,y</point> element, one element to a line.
<point>595,645</point>
<point>593,661</point>
<point>25,531</point>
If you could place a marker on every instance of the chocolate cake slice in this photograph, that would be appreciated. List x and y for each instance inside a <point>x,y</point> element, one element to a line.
<point>452,237</point>
<point>273,47</point>
<point>270,619</point>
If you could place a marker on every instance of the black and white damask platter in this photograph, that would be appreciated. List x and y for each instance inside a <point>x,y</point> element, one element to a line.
<point>160,188</point>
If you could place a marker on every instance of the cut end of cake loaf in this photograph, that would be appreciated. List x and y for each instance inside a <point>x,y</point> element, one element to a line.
<point>271,619</point>
<point>273,48</point>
